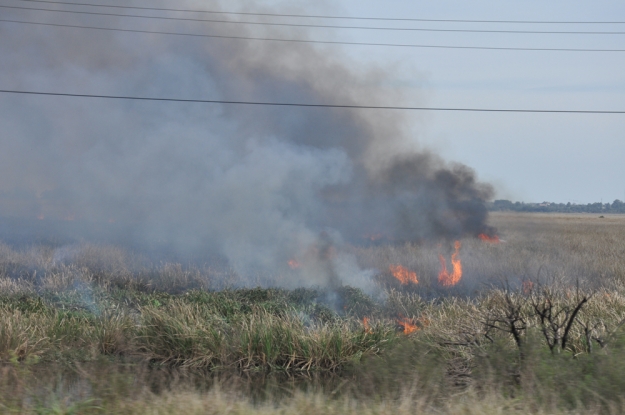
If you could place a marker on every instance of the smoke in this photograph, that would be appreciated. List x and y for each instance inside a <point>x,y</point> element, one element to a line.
<point>256,185</point>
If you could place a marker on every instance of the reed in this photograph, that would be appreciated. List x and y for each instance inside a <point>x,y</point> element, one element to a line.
<point>538,318</point>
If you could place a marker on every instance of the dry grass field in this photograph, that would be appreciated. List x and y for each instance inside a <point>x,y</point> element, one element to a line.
<point>534,245</point>
<point>535,325</point>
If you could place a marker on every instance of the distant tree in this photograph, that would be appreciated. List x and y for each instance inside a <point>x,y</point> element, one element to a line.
<point>618,206</point>
<point>502,204</point>
<point>506,205</point>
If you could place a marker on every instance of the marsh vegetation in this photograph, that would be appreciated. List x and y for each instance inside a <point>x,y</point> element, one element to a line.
<point>535,325</point>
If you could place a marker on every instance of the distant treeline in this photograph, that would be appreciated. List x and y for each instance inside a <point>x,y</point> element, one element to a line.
<point>506,205</point>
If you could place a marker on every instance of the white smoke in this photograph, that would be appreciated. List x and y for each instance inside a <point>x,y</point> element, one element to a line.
<point>256,185</point>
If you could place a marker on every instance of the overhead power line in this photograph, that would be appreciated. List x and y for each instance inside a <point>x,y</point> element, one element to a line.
<point>293,104</point>
<point>326,42</point>
<point>325,16</point>
<point>411,29</point>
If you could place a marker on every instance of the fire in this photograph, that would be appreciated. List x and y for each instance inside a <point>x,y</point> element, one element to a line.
<point>486,238</point>
<point>404,275</point>
<point>365,322</point>
<point>408,325</point>
<point>41,216</point>
<point>294,264</point>
<point>445,278</point>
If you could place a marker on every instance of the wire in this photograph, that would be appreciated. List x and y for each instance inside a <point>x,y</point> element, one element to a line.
<point>317,26</point>
<point>292,104</point>
<point>326,16</point>
<point>326,42</point>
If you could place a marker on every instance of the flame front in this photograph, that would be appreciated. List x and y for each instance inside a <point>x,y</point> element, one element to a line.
<point>365,322</point>
<point>445,278</point>
<point>294,264</point>
<point>487,238</point>
<point>408,325</point>
<point>403,275</point>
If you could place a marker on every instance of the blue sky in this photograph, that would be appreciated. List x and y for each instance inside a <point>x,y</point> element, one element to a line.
<point>256,183</point>
<point>528,157</point>
<point>562,158</point>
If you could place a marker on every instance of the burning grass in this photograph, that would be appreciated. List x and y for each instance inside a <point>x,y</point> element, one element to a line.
<point>446,278</point>
<point>403,275</point>
<point>522,321</point>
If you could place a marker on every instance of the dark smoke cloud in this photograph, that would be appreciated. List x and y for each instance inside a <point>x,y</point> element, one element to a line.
<point>257,185</point>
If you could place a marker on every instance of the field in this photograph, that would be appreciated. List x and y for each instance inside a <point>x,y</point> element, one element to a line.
<point>535,325</point>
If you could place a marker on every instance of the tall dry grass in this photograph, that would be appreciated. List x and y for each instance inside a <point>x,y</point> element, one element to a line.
<point>535,326</point>
<point>556,248</point>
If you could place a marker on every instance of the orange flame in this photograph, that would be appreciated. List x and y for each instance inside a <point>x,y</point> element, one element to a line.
<point>365,322</point>
<point>486,238</point>
<point>294,264</point>
<point>445,278</point>
<point>408,325</point>
<point>404,275</point>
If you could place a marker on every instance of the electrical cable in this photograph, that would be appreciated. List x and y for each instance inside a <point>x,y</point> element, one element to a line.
<point>326,42</point>
<point>326,16</point>
<point>291,104</point>
<point>316,26</point>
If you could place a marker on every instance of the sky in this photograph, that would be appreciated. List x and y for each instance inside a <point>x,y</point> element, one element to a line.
<point>528,157</point>
<point>576,158</point>
<point>260,185</point>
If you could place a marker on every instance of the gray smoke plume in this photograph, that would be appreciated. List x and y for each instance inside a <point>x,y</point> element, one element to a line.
<point>256,185</point>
